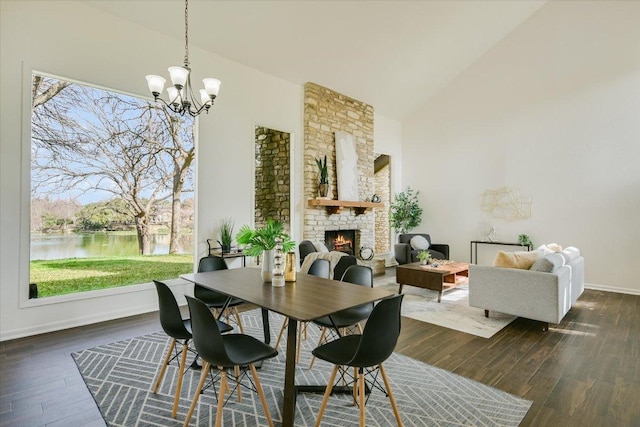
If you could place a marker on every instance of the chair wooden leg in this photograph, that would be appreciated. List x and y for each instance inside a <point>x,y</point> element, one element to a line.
<point>320,341</point>
<point>238,319</point>
<point>327,393</point>
<point>256,380</point>
<point>361,396</point>
<point>355,386</point>
<point>236,371</point>
<point>359,328</point>
<point>387,385</point>
<point>163,369</point>
<point>223,386</point>
<point>203,377</point>
<point>285,323</point>
<point>183,362</point>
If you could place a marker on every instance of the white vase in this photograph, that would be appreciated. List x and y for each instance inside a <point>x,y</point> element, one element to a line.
<point>267,265</point>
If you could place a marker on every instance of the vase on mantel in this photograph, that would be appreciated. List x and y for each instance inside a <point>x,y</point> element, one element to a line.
<point>267,266</point>
<point>323,190</point>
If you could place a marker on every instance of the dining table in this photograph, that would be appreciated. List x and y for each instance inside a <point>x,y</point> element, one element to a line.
<point>308,298</point>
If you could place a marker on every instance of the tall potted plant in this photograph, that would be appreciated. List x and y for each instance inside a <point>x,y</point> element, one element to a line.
<point>263,240</point>
<point>323,172</point>
<point>405,212</point>
<point>226,234</point>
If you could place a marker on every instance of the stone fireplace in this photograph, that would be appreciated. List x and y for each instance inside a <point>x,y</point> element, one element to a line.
<point>325,112</point>
<point>341,240</point>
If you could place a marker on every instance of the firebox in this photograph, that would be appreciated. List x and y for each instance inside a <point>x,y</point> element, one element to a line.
<point>341,240</point>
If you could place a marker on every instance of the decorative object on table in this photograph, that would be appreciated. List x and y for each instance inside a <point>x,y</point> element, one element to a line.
<point>290,269</point>
<point>323,184</point>
<point>346,167</point>
<point>263,240</point>
<point>405,212</point>
<point>525,240</point>
<point>424,256</point>
<point>181,97</point>
<point>277,280</point>
<point>487,232</point>
<point>375,198</point>
<point>366,253</point>
<point>225,228</point>
<point>506,203</point>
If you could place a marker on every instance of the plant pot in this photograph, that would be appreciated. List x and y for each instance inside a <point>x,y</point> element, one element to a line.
<point>323,190</point>
<point>424,262</point>
<point>225,249</point>
<point>267,266</point>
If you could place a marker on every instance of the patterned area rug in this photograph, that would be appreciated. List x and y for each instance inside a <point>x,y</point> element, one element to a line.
<point>120,376</point>
<point>453,312</point>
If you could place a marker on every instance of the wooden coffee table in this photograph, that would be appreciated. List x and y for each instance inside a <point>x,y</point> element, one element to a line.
<point>438,278</point>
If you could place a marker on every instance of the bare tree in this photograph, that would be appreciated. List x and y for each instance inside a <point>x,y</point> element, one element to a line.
<point>117,144</point>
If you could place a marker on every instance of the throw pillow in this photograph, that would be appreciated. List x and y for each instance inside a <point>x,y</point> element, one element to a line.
<point>419,243</point>
<point>519,259</point>
<point>572,252</point>
<point>548,264</point>
<point>320,247</point>
<point>554,247</point>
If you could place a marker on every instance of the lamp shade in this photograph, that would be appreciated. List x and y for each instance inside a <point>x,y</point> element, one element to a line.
<point>178,75</point>
<point>212,86</point>
<point>174,95</point>
<point>156,83</point>
<point>204,96</point>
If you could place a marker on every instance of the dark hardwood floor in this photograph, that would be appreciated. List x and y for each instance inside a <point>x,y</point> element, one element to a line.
<point>583,372</point>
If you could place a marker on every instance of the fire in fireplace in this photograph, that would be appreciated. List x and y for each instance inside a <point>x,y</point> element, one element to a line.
<point>341,240</point>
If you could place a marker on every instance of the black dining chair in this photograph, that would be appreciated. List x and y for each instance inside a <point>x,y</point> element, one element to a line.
<point>359,275</point>
<point>319,268</point>
<point>178,329</point>
<point>365,353</point>
<point>342,265</point>
<point>213,299</point>
<point>222,352</point>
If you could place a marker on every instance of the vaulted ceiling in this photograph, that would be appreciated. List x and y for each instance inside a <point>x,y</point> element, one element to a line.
<point>393,55</point>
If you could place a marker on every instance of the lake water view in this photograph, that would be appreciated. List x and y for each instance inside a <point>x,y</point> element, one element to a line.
<point>92,245</point>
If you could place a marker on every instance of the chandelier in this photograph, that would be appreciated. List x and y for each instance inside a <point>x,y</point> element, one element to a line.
<point>181,97</point>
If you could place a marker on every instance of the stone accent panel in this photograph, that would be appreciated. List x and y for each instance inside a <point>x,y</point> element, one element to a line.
<point>382,182</point>
<point>272,176</point>
<point>325,112</point>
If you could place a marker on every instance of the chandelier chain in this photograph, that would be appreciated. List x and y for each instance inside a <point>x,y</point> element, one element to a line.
<point>186,33</point>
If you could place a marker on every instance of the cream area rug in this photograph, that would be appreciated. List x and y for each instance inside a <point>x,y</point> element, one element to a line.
<point>453,312</point>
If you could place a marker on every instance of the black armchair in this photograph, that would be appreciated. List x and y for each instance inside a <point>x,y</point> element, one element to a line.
<point>405,253</point>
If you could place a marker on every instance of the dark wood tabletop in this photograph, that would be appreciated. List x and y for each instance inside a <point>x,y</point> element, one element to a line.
<point>308,298</point>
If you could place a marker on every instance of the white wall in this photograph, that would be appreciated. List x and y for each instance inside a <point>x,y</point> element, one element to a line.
<point>554,111</point>
<point>79,42</point>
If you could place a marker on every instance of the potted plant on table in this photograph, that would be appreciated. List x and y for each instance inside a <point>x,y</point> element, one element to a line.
<point>323,185</point>
<point>424,257</point>
<point>263,240</point>
<point>405,212</point>
<point>226,234</point>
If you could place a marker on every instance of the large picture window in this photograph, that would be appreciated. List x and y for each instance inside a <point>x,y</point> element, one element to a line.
<point>112,197</point>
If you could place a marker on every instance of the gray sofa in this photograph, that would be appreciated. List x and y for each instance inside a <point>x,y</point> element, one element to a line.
<point>545,295</point>
<point>404,253</point>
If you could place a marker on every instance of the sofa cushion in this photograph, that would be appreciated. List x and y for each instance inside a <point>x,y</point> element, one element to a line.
<point>548,263</point>
<point>419,243</point>
<point>519,259</point>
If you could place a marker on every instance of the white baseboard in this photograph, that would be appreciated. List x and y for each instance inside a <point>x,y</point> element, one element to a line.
<point>612,289</point>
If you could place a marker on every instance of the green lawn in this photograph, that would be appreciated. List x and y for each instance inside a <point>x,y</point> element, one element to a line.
<point>65,276</point>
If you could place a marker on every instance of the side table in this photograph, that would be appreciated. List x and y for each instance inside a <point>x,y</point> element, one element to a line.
<point>474,245</point>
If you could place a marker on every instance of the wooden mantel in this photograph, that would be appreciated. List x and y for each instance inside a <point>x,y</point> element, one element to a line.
<point>335,206</point>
